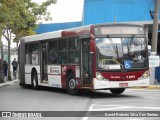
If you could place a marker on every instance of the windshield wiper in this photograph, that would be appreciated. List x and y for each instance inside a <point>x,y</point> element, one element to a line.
<point>114,45</point>
<point>133,53</point>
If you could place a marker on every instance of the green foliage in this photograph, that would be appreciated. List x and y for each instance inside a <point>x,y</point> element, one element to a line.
<point>20,16</point>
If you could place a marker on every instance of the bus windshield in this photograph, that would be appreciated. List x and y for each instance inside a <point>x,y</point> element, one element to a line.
<point>121,53</point>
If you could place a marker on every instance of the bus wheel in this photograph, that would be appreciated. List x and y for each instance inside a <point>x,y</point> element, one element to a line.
<point>21,84</point>
<point>117,90</point>
<point>71,85</point>
<point>34,81</point>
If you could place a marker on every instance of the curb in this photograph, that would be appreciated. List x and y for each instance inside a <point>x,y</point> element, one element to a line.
<point>153,87</point>
<point>148,87</point>
<point>8,83</point>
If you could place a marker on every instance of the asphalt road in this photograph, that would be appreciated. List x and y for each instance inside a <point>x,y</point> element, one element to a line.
<point>17,98</point>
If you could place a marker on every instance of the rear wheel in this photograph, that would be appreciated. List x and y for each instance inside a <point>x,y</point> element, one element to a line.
<point>117,90</point>
<point>34,81</point>
<point>71,85</point>
<point>21,84</point>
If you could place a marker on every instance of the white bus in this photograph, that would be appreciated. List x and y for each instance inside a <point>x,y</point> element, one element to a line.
<point>98,57</point>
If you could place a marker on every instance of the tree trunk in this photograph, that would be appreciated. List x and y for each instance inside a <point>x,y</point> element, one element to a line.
<point>1,64</point>
<point>17,47</point>
<point>9,61</point>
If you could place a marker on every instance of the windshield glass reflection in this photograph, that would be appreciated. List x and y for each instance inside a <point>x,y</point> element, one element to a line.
<point>121,53</point>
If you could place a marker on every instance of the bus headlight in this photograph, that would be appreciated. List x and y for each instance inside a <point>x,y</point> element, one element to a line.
<point>99,76</point>
<point>145,74</point>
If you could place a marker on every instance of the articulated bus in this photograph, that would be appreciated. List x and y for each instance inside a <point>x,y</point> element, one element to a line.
<point>97,57</point>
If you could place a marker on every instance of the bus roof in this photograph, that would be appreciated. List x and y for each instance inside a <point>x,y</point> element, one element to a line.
<point>58,34</point>
<point>72,31</point>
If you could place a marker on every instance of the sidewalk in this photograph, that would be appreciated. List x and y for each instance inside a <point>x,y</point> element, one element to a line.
<point>156,86</point>
<point>9,83</point>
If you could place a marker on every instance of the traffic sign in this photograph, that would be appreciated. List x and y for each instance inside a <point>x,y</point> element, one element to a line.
<point>153,61</point>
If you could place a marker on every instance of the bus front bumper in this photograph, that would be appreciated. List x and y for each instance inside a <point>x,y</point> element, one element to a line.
<point>105,84</point>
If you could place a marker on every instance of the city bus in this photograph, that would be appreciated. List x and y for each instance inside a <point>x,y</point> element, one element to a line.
<point>96,57</point>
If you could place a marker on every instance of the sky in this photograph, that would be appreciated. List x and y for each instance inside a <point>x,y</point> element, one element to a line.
<point>62,11</point>
<point>65,10</point>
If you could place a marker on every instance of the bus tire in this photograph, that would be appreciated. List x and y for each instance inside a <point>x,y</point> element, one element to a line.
<point>71,85</point>
<point>21,84</point>
<point>34,81</point>
<point>117,90</point>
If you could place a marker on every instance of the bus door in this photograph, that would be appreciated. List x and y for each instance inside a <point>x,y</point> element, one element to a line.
<point>86,63</point>
<point>44,77</point>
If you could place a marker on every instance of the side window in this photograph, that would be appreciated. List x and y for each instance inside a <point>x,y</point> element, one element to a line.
<point>53,53</point>
<point>73,55</point>
<point>35,49</point>
<point>28,53</point>
<point>62,54</point>
<point>31,51</point>
<point>62,44</point>
<point>73,44</point>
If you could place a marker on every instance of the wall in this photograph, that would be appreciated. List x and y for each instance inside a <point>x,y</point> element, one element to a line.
<point>102,11</point>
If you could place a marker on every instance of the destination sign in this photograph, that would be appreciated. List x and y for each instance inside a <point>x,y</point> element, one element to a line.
<point>109,30</point>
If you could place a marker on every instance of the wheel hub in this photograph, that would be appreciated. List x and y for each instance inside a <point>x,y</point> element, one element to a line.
<point>34,81</point>
<point>72,84</point>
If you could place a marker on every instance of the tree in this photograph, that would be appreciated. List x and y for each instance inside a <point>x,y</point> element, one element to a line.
<point>34,13</point>
<point>20,17</point>
<point>1,61</point>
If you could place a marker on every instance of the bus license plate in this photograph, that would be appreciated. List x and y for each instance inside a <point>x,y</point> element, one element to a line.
<point>123,84</point>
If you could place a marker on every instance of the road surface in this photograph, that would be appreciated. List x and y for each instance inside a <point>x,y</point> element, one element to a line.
<point>16,98</point>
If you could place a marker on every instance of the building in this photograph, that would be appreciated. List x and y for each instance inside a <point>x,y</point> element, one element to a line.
<point>107,11</point>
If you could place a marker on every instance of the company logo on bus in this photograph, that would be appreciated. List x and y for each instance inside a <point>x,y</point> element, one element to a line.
<point>55,70</point>
<point>123,77</point>
<point>115,77</point>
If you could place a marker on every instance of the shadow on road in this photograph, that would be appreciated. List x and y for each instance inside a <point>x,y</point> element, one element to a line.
<point>83,93</point>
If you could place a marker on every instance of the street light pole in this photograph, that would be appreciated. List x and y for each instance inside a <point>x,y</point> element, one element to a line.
<point>155,28</point>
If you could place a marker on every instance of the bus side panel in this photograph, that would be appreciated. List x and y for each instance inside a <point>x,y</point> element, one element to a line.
<point>21,59</point>
<point>54,76</point>
<point>28,71</point>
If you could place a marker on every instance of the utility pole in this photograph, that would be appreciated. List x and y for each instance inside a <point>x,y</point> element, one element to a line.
<point>155,28</point>
<point>115,19</point>
<point>154,41</point>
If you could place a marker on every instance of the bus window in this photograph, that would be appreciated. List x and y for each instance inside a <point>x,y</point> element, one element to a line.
<point>32,53</point>
<point>28,54</point>
<point>62,54</point>
<point>53,53</point>
<point>62,59</point>
<point>35,48</point>
<point>62,45</point>
<point>73,44</point>
<point>73,55</point>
